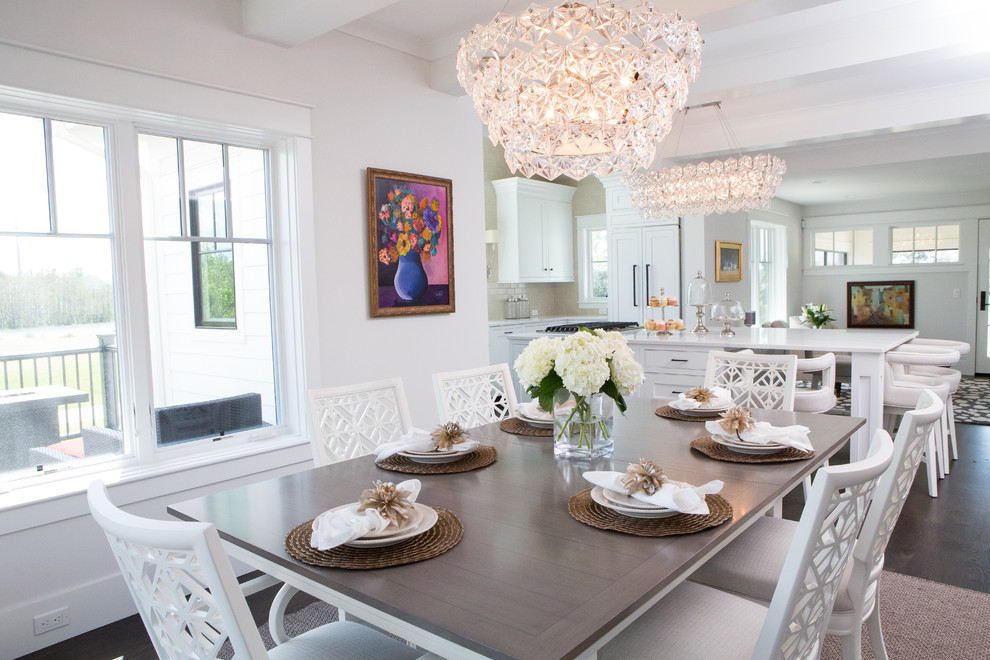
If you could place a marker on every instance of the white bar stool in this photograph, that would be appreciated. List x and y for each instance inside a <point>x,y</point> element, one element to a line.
<point>954,374</point>
<point>900,394</point>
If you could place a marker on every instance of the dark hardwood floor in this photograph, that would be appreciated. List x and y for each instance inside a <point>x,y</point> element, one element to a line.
<point>946,540</point>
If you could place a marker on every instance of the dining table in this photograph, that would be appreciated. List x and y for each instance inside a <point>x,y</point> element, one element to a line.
<point>527,579</point>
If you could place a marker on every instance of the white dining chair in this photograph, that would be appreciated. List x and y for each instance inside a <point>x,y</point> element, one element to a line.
<point>189,599</point>
<point>755,380</point>
<point>698,621</point>
<point>352,420</point>
<point>816,379</point>
<point>474,397</point>
<point>752,564</point>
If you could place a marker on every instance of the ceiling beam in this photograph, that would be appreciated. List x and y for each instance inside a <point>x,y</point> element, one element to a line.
<point>292,22</point>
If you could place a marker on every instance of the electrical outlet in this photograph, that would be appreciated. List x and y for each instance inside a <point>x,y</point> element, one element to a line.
<point>535,313</point>
<point>956,293</point>
<point>51,620</point>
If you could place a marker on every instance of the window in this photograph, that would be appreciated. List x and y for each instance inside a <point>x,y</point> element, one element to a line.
<point>924,245</point>
<point>592,260</point>
<point>58,350</point>
<point>769,264</point>
<point>201,326</point>
<point>208,383</point>
<point>843,248</point>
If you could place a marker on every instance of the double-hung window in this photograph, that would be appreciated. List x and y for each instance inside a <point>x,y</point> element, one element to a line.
<point>592,260</point>
<point>196,366</point>
<point>769,270</point>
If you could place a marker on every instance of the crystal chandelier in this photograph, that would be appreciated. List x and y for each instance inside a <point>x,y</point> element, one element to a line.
<point>735,184</point>
<point>577,90</point>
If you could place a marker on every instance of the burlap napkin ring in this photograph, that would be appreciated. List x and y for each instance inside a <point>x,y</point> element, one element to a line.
<point>391,503</point>
<point>737,420</point>
<point>447,435</point>
<point>700,394</point>
<point>644,476</point>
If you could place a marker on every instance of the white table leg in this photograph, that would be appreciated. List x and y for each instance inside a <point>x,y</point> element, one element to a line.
<point>867,400</point>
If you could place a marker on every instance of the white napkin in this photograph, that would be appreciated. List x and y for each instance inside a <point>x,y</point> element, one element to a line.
<point>532,410</point>
<point>723,399</point>
<point>333,528</point>
<point>418,440</point>
<point>676,495</point>
<point>790,436</point>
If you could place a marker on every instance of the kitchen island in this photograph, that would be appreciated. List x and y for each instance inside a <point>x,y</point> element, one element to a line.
<point>677,362</point>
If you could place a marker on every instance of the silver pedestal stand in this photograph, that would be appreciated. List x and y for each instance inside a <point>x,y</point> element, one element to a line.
<point>700,329</point>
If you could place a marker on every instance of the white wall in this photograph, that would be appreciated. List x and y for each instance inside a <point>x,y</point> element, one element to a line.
<point>939,314</point>
<point>371,107</point>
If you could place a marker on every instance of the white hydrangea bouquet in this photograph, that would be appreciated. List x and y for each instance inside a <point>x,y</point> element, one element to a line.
<point>584,364</point>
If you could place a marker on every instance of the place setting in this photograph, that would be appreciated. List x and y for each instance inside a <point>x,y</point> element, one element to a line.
<point>643,501</point>
<point>445,450</point>
<point>699,404</point>
<point>530,419</point>
<point>738,438</point>
<point>385,527</point>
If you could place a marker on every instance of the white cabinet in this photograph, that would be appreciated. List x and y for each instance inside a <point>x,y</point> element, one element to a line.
<point>640,262</point>
<point>535,231</point>
<point>620,212</point>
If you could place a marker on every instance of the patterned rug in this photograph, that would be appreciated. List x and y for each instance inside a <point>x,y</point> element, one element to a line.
<point>971,403</point>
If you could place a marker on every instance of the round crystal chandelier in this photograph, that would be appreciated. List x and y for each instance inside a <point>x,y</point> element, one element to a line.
<point>577,90</point>
<point>706,188</point>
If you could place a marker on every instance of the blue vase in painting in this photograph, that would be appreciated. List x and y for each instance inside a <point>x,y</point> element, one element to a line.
<point>410,277</point>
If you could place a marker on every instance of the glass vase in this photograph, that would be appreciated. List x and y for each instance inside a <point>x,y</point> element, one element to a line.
<point>582,426</point>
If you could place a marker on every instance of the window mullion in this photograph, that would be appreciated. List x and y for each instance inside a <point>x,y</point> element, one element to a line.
<point>50,175</point>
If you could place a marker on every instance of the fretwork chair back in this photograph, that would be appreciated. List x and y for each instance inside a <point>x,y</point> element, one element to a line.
<point>189,599</point>
<point>751,565</point>
<point>352,420</point>
<point>474,397</point>
<point>698,621</point>
<point>755,380</point>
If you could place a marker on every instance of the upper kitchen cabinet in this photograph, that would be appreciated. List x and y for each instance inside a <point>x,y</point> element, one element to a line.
<point>620,212</point>
<point>535,231</point>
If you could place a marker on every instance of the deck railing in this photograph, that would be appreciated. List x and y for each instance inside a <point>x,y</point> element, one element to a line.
<point>92,370</point>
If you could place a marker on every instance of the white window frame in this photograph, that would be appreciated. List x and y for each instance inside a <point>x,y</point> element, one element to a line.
<point>850,256</point>
<point>586,224</point>
<point>296,355</point>
<point>914,241</point>
<point>777,304</point>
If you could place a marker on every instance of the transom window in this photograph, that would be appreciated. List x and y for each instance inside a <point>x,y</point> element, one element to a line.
<point>843,248</point>
<point>924,245</point>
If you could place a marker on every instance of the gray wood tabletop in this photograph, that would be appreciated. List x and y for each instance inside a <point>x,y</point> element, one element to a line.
<point>527,580</point>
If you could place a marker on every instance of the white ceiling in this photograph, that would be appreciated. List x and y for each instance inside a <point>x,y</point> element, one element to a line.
<point>879,99</point>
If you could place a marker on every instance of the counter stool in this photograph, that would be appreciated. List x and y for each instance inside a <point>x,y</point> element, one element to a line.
<point>962,348</point>
<point>815,392</point>
<point>901,392</point>
<point>938,357</point>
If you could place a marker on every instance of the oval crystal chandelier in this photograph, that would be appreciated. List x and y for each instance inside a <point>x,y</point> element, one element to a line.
<point>577,90</point>
<point>735,184</point>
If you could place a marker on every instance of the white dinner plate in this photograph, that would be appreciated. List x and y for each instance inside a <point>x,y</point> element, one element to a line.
<point>598,495</point>
<point>428,519</point>
<point>748,447</point>
<point>623,501</point>
<point>539,423</point>
<point>415,518</point>
<point>436,457</point>
<point>703,412</point>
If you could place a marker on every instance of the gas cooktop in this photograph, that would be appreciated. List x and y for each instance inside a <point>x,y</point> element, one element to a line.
<point>594,325</point>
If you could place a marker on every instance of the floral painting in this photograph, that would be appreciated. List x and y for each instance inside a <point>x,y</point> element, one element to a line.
<point>411,258</point>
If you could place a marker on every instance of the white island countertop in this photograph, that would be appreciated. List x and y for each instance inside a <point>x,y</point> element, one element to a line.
<point>867,348</point>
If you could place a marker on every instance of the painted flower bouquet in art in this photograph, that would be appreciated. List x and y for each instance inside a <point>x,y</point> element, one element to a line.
<point>579,377</point>
<point>409,232</point>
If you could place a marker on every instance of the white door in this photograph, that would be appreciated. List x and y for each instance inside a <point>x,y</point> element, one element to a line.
<point>983,300</point>
<point>625,275</point>
<point>662,266</point>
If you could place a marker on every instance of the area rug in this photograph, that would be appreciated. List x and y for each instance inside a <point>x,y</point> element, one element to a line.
<point>971,403</point>
<point>922,620</point>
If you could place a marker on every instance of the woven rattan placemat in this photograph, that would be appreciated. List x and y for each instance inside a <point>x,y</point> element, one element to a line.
<point>479,458</point>
<point>516,426</point>
<point>439,539</point>
<point>586,510</point>
<point>674,413</point>
<point>712,449</point>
